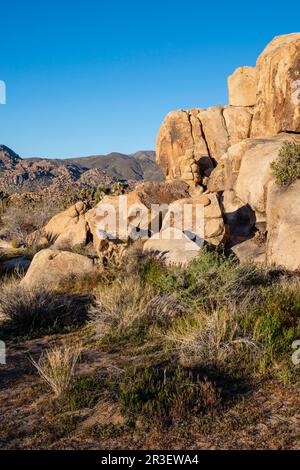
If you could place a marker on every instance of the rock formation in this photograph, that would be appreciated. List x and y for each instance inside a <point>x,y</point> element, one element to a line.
<point>238,142</point>
<point>191,142</point>
<point>218,158</point>
<point>67,229</point>
<point>277,106</point>
<point>133,214</point>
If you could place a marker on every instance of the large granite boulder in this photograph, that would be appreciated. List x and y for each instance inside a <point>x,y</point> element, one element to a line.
<point>179,136</point>
<point>215,131</point>
<point>242,87</point>
<point>66,229</point>
<point>252,201</point>
<point>190,142</point>
<point>173,247</point>
<point>238,123</point>
<point>212,230</point>
<point>255,174</point>
<point>51,269</point>
<point>277,107</point>
<point>283,225</point>
<point>226,172</point>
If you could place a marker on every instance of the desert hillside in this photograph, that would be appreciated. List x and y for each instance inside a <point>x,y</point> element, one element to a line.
<point>19,175</point>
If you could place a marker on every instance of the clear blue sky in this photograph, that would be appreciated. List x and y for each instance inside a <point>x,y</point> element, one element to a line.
<point>88,77</point>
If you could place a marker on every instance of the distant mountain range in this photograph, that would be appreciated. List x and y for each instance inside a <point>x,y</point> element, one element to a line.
<point>136,166</point>
<point>35,174</point>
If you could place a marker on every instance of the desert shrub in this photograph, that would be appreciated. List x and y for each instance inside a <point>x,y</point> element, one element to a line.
<point>90,196</point>
<point>137,261</point>
<point>286,168</point>
<point>151,270</point>
<point>273,321</point>
<point>165,393</point>
<point>211,280</point>
<point>67,424</point>
<point>277,319</point>
<point>162,309</point>
<point>129,308</point>
<point>18,222</point>
<point>81,285</point>
<point>56,366</point>
<point>85,392</point>
<point>118,306</point>
<point>212,340</point>
<point>36,311</point>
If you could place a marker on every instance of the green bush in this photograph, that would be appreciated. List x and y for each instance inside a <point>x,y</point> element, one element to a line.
<point>151,270</point>
<point>165,393</point>
<point>278,320</point>
<point>211,280</point>
<point>85,393</point>
<point>286,168</point>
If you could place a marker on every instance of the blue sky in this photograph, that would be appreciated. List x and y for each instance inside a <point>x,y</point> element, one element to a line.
<point>90,77</point>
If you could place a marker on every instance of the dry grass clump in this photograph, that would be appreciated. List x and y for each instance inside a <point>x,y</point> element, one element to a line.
<point>56,366</point>
<point>163,309</point>
<point>119,305</point>
<point>210,339</point>
<point>32,310</point>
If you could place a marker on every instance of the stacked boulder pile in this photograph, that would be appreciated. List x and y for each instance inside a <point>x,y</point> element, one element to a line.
<point>219,157</point>
<point>234,147</point>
